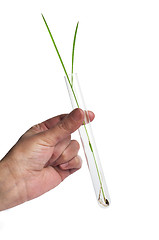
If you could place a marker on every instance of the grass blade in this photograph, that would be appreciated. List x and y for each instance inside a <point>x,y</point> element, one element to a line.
<point>56,48</point>
<point>73,50</point>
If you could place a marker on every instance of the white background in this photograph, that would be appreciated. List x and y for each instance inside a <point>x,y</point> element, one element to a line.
<point>117,59</point>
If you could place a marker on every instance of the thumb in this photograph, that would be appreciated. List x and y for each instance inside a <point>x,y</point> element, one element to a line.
<point>63,128</point>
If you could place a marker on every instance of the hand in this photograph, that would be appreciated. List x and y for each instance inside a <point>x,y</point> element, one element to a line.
<point>42,158</point>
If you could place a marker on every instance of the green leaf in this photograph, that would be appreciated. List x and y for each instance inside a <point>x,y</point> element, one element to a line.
<point>73,50</point>
<point>56,49</point>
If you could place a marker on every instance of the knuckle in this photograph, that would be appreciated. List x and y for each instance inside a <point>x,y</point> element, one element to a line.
<point>38,127</point>
<point>64,156</point>
<point>64,125</point>
<point>55,154</point>
<point>69,138</point>
<point>76,144</point>
<point>78,161</point>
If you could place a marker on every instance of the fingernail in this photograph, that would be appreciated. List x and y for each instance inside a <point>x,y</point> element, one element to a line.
<point>77,114</point>
<point>64,165</point>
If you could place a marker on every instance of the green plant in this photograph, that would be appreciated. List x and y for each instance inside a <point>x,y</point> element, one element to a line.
<point>101,191</point>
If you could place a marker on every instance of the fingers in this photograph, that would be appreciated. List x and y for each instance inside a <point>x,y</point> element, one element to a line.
<point>50,123</point>
<point>43,126</point>
<point>63,128</point>
<point>69,124</point>
<point>69,162</point>
<point>72,166</point>
<point>74,163</point>
<point>59,149</point>
<point>88,116</point>
<point>91,115</point>
<point>70,152</point>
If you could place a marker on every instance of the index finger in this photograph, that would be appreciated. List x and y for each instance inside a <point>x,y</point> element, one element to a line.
<point>51,122</point>
<point>69,124</point>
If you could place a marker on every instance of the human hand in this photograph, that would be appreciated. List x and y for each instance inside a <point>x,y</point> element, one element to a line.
<point>41,159</point>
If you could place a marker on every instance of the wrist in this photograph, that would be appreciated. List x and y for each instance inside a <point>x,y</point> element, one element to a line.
<point>9,187</point>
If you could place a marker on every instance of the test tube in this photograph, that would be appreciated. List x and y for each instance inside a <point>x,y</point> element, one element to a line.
<point>88,142</point>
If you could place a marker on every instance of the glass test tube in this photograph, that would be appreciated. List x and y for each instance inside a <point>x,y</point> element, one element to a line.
<point>88,143</point>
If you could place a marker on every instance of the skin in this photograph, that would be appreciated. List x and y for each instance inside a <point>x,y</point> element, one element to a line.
<point>41,159</point>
